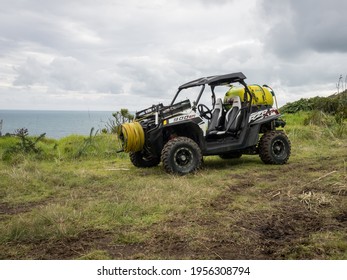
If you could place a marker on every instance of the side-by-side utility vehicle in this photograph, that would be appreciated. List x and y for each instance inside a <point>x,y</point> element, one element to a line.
<point>243,121</point>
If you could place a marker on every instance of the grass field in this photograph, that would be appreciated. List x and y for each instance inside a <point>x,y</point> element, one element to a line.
<point>79,199</point>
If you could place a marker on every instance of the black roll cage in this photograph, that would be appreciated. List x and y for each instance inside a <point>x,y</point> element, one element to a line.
<point>214,81</point>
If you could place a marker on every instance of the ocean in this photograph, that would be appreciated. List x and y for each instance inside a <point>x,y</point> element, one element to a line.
<point>56,124</point>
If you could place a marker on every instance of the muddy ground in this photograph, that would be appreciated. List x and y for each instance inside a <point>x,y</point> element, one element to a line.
<point>293,222</point>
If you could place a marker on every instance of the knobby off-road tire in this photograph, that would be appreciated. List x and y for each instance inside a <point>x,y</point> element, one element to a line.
<point>141,161</point>
<point>274,147</point>
<point>181,156</point>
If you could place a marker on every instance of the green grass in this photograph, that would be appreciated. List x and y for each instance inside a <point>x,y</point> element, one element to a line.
<point>80,199</point>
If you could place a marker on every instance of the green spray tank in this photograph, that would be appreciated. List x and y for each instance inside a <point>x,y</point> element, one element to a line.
<point>261,95</point>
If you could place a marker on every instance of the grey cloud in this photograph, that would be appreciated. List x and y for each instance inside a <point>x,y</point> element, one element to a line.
<point>66,73</point>
<point>303,26</point>
<point>145,49</point>
<point>150,76</point>
<point>321,24</point>
<point>29,73</point>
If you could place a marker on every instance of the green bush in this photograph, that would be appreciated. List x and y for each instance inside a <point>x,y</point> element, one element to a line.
<point>24,145</point>
<point>334,105</point>
<point>14,149</point>
<point>319,118</point>
<point>315,126</point>
<point>97,146</point>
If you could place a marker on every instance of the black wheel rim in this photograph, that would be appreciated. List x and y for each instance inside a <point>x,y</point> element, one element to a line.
<point>279,148</point>
<point>183,157</point>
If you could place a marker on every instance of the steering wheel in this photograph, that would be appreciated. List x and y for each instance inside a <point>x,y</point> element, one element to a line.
<point>204,111</point>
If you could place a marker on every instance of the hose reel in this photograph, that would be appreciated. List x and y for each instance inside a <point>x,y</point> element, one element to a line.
<point>132,136</point>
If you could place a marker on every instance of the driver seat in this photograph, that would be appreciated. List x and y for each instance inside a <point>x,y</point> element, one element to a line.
<point>232,119</point>
<point>217,113</point>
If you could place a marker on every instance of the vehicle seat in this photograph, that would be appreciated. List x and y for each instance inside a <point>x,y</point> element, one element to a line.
<point>233,119</point>
<point>233,116</point>
<point>217,113</point>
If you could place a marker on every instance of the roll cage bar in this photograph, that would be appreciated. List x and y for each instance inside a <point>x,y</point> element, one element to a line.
<point>214,81</point>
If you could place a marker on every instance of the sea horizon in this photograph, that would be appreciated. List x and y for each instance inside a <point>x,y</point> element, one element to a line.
<point>55,123</point>
<point>59,110</point>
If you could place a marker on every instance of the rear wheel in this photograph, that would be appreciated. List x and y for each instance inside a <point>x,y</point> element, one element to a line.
<point>181,155</point>
<point>140,160</point>
<point>274,147</point>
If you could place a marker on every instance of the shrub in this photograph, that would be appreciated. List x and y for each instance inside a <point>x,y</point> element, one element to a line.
<point>335,105</point>
<point>94,146</point>
<point>330,125</point>
<point>25,145</point>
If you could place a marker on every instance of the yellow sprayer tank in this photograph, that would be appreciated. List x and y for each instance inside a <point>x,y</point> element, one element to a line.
<point>262,95</point>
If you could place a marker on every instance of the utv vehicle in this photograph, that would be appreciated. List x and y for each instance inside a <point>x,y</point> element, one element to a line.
<point>180,134</point>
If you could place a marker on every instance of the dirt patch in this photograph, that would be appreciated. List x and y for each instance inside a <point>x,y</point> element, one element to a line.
<point>260,235</point>
<point>182,239</point>
<point>70,247</point>
<point>85,242</point>
<point>8,209</point>
<point>222,234</point>
<point>285,229</point>
<point>169,244</point>
<point>342,217</point>
<point>228,233</point>
<point>222,201</point>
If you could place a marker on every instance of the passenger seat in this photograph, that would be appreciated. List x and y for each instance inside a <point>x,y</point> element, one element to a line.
<point>217,113</point>
<point>233,119</point>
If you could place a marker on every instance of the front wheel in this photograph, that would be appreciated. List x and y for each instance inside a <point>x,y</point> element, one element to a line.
<point>274,147</point>
<point>181,155</point>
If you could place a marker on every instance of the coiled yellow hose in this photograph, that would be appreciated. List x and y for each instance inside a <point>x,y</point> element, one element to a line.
<point>132,135</point>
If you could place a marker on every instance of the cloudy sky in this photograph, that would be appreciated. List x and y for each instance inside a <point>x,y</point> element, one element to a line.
<point>112,54</point>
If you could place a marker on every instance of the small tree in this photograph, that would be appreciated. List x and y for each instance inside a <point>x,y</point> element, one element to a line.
<point>26,145</point>
<point>123,116</point>
<point>120,117</point>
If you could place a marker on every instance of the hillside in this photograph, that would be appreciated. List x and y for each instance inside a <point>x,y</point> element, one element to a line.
<point>335,104</point>
<point>74,199</point>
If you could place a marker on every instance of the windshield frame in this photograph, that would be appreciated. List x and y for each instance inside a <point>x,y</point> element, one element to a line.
<point>214,81</point>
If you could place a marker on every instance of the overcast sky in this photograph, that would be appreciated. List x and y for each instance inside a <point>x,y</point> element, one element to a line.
<point>110,54</point>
